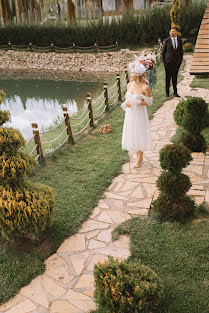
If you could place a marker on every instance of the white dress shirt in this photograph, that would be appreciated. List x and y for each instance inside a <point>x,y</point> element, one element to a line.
<point>174,42</point>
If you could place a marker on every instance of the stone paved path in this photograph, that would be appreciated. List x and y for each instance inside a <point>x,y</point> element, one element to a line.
<point>67,285</point>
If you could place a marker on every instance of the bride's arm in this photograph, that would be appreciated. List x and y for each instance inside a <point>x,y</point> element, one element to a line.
<point>147,93</point>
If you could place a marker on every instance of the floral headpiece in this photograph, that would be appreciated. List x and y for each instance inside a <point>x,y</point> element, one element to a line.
<point>141,64</point>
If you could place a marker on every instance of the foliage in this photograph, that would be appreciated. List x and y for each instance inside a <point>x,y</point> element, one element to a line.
<point>25,209</point>
<point>172,204</point>
<point>106,32</point>
<point>174,157</point>
<point>192,115</point>
<point>188,47</point>
<point>126,287</point>
<point>175,14</point>
<point>179,254</point>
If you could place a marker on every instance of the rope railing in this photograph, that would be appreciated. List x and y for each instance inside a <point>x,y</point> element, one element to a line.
<point>97,109</point>
<point>52,129</point>
<point>78,118</point>
<point>75,125</point>
<point>33,149</point>
<point>55,139</point>
<point>97,116</point>
<point>53,48</point>
<point>53,150</point>
<point>79,132</point>
<point>27,143</point>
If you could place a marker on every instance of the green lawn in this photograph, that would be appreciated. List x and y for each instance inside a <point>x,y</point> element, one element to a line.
<point>79,175</point>
<point>200,83</point>
<point>179,254</point>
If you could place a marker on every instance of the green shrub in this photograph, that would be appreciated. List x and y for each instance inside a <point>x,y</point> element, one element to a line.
<point>192,115</point>
<point>124,287</point>
<point>106,32</point>
<point>26,209</point>
<point>173,204</point>
<point>188,47</point>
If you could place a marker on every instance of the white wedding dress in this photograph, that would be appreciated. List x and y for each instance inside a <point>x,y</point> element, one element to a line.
<point>136,129</point>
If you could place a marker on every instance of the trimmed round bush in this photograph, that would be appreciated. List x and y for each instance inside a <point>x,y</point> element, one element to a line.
<point>188,47</point>
<point>177,184</point>
<point>173,204</point>
<point>124,287</point>
<point>192,115</point>
<point>26,211</point>
<point>169,210</point>
<point>174,157</point>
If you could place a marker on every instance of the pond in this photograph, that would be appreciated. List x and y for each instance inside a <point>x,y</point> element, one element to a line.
<point>40,101</point>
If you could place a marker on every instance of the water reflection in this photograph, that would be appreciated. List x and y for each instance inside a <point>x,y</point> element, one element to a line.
<point>41,101</point>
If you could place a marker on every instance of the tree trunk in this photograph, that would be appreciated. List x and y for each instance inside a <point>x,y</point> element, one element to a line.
<point>128,4</point>
<point>6,11</point>
<point>71,11</point>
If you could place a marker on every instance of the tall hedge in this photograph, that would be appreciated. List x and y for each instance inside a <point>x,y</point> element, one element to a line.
<point>131,29</point>
<point>26,209</point>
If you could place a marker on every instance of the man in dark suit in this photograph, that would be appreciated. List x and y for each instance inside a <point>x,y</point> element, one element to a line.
<point>172,55</point>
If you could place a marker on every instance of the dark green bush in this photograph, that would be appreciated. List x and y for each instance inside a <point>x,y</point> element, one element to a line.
<point>131,29</point>
<point>124,287</point>
<point>188,47</point>
<point>174,157</point>
<point>192,115</point>
<point>173,204</point>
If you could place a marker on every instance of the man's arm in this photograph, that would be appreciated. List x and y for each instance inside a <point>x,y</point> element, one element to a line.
<point>164,50</point>
<point>181,51</point>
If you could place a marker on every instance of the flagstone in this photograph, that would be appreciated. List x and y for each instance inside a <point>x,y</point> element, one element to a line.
<point>24,307</point>
<point>196,169</point>
<point>13,302</point>
<point>138,212</point>
<point>118,217</point>
<point>85,281</point>
<point>126,168</point>
<point>115,196</point>
<point>52,288</point>
<point>74,243</point>
<point>105,235</point>
<point>78,261</point>
<point>93,225</point>
<point>86,306</point>
<point>129,185</point>
<point>137,193</point>
<point>150,180</point>
<point>115,204</point>
<point>91,234</point>
<point>58,269</point>
<point>94,244</point>
<point>150,189</point>
<point>74,295</point>
<point>193,192</point>
<point>199,199</point>
<point>61,306</point>
<point>121,253</point>
<point>95,212</point>
<point>104,217</point>
<point>207,196</point>
<point>197,187</point>
<point>144,204</point>
<point>102,204</point>
<point>123,242</point>
<point>89,293</point>
<point>94,260</point>
<point>34,291</point>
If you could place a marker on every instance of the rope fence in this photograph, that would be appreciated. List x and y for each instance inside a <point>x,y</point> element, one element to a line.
<point>49,141</point>
<point>53,48</point>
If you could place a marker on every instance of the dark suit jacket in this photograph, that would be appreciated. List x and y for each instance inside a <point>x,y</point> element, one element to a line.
<point>169,54</point>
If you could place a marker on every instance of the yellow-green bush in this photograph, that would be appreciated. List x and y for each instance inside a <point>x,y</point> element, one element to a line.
<point>26,209</point>
<point>127,286</point>
<point>188,47</point>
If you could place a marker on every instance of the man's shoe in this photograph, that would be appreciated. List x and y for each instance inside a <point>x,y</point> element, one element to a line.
<point>177,95</point>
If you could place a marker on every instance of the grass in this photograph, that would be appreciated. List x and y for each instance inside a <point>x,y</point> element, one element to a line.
<point>179,255</point>
<point>79,175</point>
<point>200,82</point>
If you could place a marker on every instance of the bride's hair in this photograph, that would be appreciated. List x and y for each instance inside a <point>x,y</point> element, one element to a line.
<point>143,79</point>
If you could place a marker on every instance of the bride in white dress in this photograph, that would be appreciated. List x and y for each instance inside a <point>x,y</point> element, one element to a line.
<point>136,130</point>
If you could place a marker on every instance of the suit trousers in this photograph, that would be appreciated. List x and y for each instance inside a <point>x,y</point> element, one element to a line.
<point>171,72</point>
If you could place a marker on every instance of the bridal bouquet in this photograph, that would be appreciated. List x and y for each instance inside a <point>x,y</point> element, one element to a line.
<point>149,61</point>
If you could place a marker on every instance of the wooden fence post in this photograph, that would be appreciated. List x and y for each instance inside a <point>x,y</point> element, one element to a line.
<point>96,47</point>
<point>31,47</point>
<point>52,47</point>
<point>119,87</point>
<point>67,123</point>
<point>37,140</point>
<point>74,48</point>
<point>127,77</point>
<point>89,100</point>
<point>106,96</point>
<point>10,45</point>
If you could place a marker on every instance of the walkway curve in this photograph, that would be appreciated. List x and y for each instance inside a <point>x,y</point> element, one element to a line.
<point>67,285</point>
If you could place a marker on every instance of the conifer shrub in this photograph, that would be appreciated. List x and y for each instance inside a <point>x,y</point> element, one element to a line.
<point>173,204</point>
<point>188,47</point>
<point>192,115</point>
<point>26,209</point>
<point>126,286</point>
